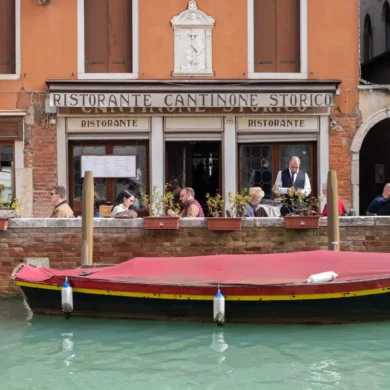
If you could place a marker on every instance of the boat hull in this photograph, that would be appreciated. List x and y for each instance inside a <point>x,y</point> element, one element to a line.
<point>365,307</point>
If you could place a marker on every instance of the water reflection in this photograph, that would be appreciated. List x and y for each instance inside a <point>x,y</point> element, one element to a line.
<point>218,344</point>
<point>67,347</point>
<point>53,353</point>
<point>324,373</point>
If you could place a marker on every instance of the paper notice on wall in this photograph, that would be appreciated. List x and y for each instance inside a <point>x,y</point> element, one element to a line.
<point>110,166</point>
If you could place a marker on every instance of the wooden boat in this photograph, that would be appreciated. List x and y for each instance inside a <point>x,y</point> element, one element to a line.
<point>269,288</point>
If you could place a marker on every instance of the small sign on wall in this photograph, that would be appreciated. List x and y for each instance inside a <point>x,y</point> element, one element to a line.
<point>379,173</point>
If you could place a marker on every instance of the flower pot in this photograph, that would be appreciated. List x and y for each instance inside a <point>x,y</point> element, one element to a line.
<point>3,223</point>
<point>220,223</point>
<point>161,223</point>
<point>302,221</point>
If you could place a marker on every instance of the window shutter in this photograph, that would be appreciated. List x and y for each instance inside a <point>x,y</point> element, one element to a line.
<point>288,36</point>
<point>7,37</point>
<point>120,36</point>
<point>96,36</point>
<point>265,35</point>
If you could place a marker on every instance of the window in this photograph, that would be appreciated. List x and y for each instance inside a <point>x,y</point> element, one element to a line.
<point>106,189</point>
<point>367,40</point>
<point>108,35</point>
<point>277,38</point>
<point>261,162</point>
<point>9,39</point>
<point>386,18</point>
<point>6,172</point>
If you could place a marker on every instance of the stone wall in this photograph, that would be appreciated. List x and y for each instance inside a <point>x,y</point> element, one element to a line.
<point>119,240</point>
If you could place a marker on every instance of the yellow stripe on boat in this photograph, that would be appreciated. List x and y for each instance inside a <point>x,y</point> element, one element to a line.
<point>131,294</point>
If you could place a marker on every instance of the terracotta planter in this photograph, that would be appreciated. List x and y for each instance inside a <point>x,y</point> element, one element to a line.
<point>302,222</point>
<point>161,223</point>
<point>220,223</point>
<point>3,223</point>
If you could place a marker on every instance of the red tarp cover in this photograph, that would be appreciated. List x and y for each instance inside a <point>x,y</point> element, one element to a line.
<point>260,269</point>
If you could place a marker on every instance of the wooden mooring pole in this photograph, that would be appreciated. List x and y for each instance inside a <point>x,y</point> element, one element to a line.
<point>87,219</point>
<point>333,212</point>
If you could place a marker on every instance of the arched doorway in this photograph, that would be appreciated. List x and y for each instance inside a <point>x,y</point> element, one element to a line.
<point>370,157</point>
<point>374,159</point>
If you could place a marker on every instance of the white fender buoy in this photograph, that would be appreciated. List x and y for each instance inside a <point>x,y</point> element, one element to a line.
<point>67,298</point>
<point>322,277</point>
<point>219,308</point>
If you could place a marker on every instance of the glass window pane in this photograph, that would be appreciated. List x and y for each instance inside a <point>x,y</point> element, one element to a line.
<point>135,184</point>
<point>100,187</point>
<point>6,173</point>
<point>256,167</point>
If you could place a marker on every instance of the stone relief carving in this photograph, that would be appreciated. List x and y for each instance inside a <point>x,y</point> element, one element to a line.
<point>193,42</point>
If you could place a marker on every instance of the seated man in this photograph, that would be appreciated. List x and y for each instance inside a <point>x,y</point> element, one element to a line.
<point>192,208</point>
<point>376,202</point>
<point>61,209</point>
<point>384,207</point>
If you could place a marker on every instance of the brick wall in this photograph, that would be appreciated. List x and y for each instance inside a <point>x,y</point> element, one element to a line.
<point>119,240</point>
<point>44,169</point>
<point>340,140</point>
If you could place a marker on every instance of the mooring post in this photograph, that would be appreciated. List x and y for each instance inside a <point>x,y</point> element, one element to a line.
<point>333,212</point>
<point>87,219</point>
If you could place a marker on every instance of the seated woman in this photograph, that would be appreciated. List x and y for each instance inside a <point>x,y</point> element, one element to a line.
<point>342,210</point>
<point>256,194</point>
<point>121,206</point>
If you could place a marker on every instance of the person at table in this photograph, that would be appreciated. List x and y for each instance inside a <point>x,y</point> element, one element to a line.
<point>192,208</point>
<point>256,195</point>
<point>121,206</point>
<point>373,208</point>
<point>342,209</point>
<point>61,207</point>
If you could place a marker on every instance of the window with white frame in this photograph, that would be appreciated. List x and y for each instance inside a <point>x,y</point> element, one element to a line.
<point>9,38</point>
<point>108,38</point>
<point>277,38</point>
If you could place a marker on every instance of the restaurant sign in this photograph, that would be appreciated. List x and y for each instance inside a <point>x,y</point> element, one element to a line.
<point>277,123</point>
<point>191,100</point>
<point>107,123</point>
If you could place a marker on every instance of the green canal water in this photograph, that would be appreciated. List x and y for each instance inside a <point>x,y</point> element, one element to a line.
<point>53,353</point>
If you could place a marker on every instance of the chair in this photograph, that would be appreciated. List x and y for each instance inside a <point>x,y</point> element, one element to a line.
<point>105,210</point>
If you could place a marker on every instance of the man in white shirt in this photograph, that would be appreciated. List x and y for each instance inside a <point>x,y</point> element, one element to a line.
<point>293,178</point>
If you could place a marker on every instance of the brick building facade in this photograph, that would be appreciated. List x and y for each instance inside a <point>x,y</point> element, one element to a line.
<point>210,94</point>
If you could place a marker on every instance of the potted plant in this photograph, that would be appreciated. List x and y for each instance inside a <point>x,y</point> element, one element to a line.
<point>235,211</point>
<point>303,212</point>
<point>157,204</point>
<point>8,210</point>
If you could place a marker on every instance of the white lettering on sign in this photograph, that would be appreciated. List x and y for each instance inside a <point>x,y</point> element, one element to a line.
<point>106,124</point>
<point>191,100</point>
<point>278,123</point>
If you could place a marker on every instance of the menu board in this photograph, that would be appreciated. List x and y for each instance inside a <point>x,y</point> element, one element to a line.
<point>110,166</point>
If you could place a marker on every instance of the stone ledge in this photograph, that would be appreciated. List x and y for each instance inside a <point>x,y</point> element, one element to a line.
<point>30,223</point>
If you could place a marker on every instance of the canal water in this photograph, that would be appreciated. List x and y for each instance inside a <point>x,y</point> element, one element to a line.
<point>38,352</point>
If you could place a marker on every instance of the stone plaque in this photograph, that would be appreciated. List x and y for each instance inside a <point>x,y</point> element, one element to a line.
<point>193,42</point>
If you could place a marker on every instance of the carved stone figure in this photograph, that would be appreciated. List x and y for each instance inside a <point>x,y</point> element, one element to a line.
<point>193,42</point>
